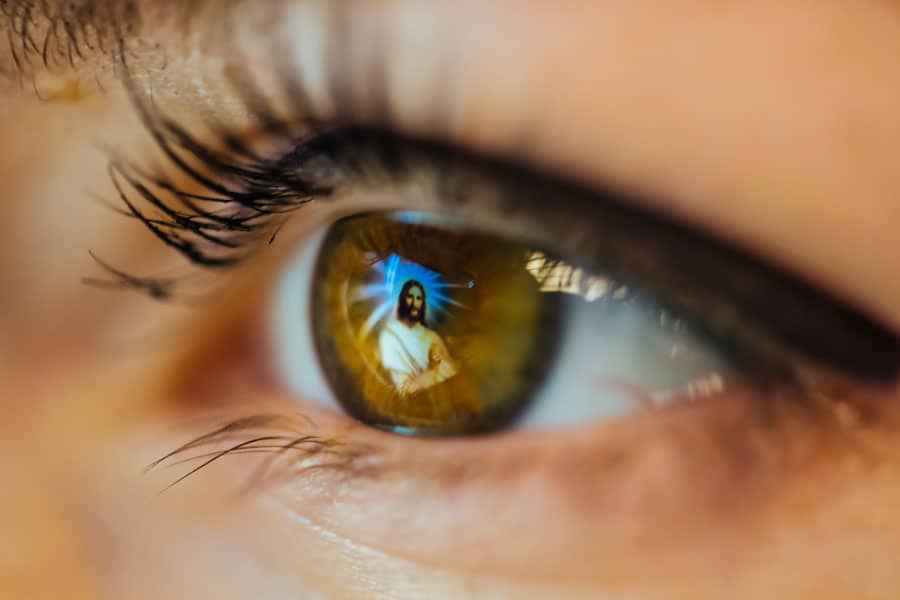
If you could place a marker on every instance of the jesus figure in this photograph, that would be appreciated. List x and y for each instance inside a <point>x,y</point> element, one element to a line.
<point>414,355</point>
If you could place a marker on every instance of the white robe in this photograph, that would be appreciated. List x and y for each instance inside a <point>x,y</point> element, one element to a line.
<point>407,352</point>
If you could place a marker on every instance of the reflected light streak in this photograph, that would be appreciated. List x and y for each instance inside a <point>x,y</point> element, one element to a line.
<point>390,275</point>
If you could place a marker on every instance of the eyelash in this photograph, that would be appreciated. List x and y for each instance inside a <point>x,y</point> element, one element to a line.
<point>252,191</point>
<point>290,449</point>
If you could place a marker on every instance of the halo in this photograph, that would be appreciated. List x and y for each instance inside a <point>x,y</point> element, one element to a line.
<point>390,275</point>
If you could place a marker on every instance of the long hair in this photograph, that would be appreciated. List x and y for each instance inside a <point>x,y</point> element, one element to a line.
<point>403,311</point>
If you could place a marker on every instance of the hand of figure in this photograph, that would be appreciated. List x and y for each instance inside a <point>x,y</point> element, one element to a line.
<point>411,385</point>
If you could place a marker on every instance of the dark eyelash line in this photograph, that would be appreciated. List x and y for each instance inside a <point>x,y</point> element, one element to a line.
<point>237,197</point>
<point>242,196</point>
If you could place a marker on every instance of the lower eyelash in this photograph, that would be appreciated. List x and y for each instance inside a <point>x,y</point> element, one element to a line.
<point>289,451</point>
<point>726,456</point>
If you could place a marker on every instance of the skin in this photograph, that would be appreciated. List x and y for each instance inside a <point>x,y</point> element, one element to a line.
<point>771,124</point>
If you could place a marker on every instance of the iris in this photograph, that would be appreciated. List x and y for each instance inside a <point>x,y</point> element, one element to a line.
<point>426,327</point>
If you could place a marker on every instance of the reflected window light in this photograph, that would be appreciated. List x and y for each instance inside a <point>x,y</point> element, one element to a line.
<point>703,387</point>
<point>557,276</point>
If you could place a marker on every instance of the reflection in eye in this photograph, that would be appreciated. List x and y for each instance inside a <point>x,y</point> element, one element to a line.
<point>424,325</point>
<point>428,328</point>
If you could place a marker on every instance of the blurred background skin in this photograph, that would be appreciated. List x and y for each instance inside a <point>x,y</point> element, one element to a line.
<point>774,124</point>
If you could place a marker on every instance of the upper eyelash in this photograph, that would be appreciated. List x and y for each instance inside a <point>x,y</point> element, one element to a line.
<point>253,193</point>
<point>240,195</point>
<point>256,194</point>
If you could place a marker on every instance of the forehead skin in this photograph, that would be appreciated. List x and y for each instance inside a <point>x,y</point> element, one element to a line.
<point>773,123</point>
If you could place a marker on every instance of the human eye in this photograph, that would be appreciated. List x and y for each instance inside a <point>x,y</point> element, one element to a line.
<point>425,326</point>
<point>752,381</point>
<point>526,337</point>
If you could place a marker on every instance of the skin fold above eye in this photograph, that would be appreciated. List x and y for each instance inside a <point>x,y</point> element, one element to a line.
<point>773,124</point>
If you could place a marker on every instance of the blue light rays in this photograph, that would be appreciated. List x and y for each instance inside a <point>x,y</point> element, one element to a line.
<point>390,276</point>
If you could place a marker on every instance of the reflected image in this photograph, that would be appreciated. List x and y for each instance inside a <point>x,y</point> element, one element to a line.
<point>415,355</point>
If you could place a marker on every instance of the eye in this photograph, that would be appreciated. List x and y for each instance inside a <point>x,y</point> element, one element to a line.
<point>428,325</point>
<point>520,299</point>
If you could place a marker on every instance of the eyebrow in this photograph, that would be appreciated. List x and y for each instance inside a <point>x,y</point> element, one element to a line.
<point>60,35</point>
<point>99,37</point>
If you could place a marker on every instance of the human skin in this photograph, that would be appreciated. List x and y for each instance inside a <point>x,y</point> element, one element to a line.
<point>771,124</point>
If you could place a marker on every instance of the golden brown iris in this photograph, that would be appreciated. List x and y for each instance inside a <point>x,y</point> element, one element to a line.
<point>426,328</point>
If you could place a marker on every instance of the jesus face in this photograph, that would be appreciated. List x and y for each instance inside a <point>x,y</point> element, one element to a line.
<point>411,303</point>
<point>414,300</point>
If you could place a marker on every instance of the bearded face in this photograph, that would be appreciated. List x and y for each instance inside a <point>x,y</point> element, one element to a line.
<point>411,303</point>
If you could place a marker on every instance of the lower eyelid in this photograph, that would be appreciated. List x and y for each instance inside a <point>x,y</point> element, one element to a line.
<point>622,480</point>
<point>652,476</point>
<point>711,464</point>
<point>614,490</point>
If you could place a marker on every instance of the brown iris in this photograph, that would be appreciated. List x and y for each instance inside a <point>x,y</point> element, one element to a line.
<point>426,328</point>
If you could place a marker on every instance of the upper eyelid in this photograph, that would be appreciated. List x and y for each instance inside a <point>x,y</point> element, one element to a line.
<point>346,92</point>
<point>698,273</point>
<point>350,153</point>
<point>699,183</point>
